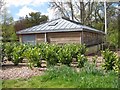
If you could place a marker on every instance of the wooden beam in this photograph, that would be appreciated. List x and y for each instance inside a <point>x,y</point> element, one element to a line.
<point>45,37</point>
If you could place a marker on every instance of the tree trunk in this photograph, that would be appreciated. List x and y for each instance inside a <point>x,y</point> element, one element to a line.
<point>82,11</point>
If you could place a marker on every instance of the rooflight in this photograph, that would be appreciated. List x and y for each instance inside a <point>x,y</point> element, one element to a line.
<point>53,23</point>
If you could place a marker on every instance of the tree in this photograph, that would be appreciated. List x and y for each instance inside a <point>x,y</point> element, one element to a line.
<point>34,18</point>
<point>8,31</point>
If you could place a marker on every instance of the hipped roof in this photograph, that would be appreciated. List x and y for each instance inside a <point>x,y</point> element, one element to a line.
<point>58,25</point>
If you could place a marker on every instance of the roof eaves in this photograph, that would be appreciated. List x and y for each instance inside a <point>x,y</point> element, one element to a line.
<point>46,31</point>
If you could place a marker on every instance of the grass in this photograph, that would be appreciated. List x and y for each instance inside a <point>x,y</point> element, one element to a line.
<point>0,84</point>
<point>66,77</point>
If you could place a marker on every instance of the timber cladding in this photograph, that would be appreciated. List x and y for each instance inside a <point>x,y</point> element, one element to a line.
<point>64,37</point>
<point>91,38</point>
<point>88,38</point>
<point>59,37</point>
<point>40,38</point>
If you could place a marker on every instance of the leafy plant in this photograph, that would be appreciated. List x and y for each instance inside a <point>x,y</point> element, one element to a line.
<point>33,55</point>
<point>51,53</point>
<point>65,54</point>
<point>109,59</point>
<point>8,49</point>
<point>117,65</point>
<point>77,49</point>
<point>17,54</point>
<point>43,47</point>
<point>81,60</point>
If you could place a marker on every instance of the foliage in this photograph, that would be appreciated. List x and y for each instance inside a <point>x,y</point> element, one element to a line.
<point>81,60</point>
<point>59,72</point>
<point>109,59</point>
<point>8,31</point>
<point>64,77</point>
<point>8,50</point>
<point>17,54</point>
<point>51,54</point>
<point>77,49</point>
<point>91,69</point>
<point>34,18</point>
<point>117,65</point>
<point>43,50</point>
<point>65,54</point>
<point>33,56</point>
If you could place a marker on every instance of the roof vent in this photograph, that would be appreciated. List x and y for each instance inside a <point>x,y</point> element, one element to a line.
<point>53,23</point>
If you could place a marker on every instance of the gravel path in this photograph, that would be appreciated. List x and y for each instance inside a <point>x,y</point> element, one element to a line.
<point>10,71</point>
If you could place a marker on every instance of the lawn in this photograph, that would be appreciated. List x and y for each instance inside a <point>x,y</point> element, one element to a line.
<point>0,84</point>
<point>67,77</point>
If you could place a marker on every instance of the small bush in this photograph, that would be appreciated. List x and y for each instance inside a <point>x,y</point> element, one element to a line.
<point>81,60</point>
<point>17,54</point>
<point>109,59</point>
<point>51,53</point>
<point>33,56</point>
<point>43,47</point>
<point>77,49</point>
<point>8,49</point>
<point>65,54</point>
<point>117,65</point>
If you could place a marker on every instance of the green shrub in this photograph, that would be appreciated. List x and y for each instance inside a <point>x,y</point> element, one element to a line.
<point>81,60</point>
<point>2,51</point>
<point>17,54</point>
<point>117,65</point>
<point>33,56</point>
<point>77,49</point>
<point>8,49</point>
<point>43,47</point>
<point>65,54</point>
<point>51,53</point>
<point>109,59</point>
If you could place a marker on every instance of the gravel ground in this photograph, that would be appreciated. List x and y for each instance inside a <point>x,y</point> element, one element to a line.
<point>10,71</point>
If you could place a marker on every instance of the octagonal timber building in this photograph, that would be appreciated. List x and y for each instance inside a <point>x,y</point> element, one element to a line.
<point>60,31</point>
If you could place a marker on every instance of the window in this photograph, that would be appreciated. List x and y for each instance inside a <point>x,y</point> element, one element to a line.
<point>28,39</point>
<point>53,23</point>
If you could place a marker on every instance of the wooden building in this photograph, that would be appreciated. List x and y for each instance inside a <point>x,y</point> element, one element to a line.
<point>61,31</point>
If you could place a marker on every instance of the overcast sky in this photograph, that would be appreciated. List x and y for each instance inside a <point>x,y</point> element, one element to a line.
<point>21,8</point>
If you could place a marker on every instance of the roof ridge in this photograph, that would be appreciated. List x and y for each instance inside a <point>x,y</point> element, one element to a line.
<point>72,20</point>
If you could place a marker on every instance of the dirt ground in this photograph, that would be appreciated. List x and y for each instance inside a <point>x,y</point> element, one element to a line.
<point>9,71</point>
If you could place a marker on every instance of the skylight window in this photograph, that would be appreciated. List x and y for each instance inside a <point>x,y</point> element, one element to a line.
<point>53,23</point>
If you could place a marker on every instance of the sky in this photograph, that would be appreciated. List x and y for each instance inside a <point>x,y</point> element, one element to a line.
<point>21,8</point>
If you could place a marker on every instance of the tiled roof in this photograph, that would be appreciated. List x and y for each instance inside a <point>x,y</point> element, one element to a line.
<point>58,25</point>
